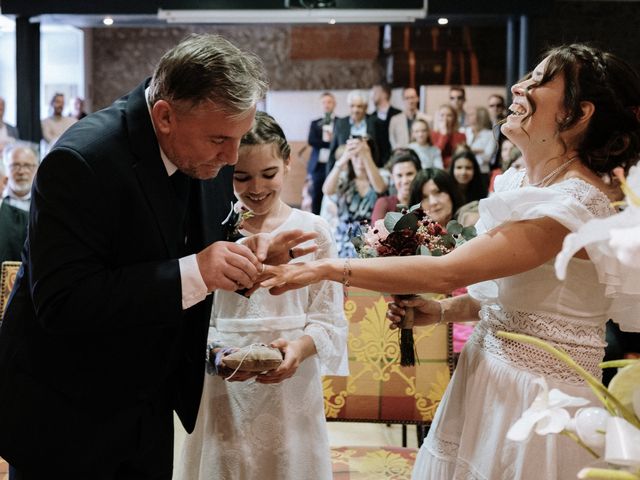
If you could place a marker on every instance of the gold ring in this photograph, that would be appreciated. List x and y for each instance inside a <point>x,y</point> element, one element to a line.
<point>262,270</point>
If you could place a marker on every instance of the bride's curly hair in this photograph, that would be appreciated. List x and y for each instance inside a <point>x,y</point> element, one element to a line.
<point>612,138</point>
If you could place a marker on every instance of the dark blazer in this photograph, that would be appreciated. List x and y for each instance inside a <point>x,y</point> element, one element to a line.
<point>94,328</point>
<point>13,228</point>
<point>12,131</point>
<point>384,144</point>
<point>342,131</point>
<point>315,140</point>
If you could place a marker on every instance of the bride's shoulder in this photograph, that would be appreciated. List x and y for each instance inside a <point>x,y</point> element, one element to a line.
<point>591,191</point>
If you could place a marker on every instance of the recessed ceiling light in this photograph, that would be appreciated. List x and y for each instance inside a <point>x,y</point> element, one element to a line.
<point>443,21</point>
<point>108,21</point>
<point>332,21</point>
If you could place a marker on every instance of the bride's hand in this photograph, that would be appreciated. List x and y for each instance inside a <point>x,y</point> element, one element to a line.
<point>426,312</point>
<point>280,248</point>
<point>282,278</point>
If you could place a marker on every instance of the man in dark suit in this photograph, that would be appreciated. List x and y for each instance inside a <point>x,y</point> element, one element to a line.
<point>357,124</point>
<point>105,331</point>
<point>381,95</point>
<point>320,133</point>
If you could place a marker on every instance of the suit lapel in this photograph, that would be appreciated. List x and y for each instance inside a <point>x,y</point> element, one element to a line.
<point>150,170</point>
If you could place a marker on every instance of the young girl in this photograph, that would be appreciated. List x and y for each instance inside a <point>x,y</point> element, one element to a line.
<point>465,171</point>
<point>430,156</point>
<point>270,426</point>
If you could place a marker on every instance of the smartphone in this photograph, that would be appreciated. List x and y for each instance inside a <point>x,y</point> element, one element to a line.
<point>356,137</point>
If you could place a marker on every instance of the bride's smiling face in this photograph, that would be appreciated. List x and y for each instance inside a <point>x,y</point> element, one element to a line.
<point>536,110</point>
<point>258,177</point>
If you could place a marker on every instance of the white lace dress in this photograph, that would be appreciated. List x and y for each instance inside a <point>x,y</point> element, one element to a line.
<point>247,430</point>
<point>494,381</point>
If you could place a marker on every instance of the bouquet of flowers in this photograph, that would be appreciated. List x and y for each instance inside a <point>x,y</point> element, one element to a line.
<point>410,232</point>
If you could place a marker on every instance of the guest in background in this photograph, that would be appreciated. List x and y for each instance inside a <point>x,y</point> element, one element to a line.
<point>457,99</point>
<point>404,165</point>
<point>497,108</point>
<point>56,124</point>
<point>20,161</point>
<point>357,124</point>
<point>78,109</point>
<point>8,133</point>
<point>445,135</point>
<point>508,154</point>
<point>480,139</point>
<point>357,183</point>
<point>466,174</point>
<point>320,135</point>
<point>381,93</point>
<point>430,156</point>
<point>400,124</point>
<point>437,193</point>
<point>13,226</point>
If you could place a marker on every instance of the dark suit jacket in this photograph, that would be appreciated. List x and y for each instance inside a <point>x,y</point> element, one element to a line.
<point>13,232</point>
<point>342,131</point>
<point>315,140</point>
<point>12,131</point>
<point>95,325</point>
<point>384,144</point>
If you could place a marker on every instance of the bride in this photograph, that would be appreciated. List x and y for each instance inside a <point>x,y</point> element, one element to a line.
<point>270,426</point>
<point>575,117</point>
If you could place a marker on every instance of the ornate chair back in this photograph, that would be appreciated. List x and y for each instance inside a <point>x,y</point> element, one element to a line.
<point>7,279</point>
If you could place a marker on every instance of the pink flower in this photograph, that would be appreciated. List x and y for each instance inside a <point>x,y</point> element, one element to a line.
<point>382,231</point>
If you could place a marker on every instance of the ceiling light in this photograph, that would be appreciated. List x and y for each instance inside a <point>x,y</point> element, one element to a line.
<point>443,21</point>
<point>108,21</point>
<point>332,21</point>
<point>320,15</point>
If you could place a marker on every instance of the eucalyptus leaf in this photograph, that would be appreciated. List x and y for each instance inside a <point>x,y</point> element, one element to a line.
<point>415,207</point>
<point>436,252</point>
<point>454,228</point>
<point>409,221</point>
<point>469,232</point>
<point>390,220</point>
<point>449,240</point>
<point>357,242</point>
<point>422,250</point>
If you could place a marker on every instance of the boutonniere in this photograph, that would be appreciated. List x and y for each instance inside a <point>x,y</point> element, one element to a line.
<point>234,222</point>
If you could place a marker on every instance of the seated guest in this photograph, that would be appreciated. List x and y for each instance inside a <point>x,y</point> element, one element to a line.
<point>13,226</point>
<point>457,99</point>
<point>356,181</point>
<point>20,161</point>
<point>507,157</point>
<point>497,108</point>
<point>56,124</point>
<point>357,125</point>
<point>445,135</point>
<point>400,124</point>
<point>430,156</point>
<point>78,109</point>
<point>403,165</point>
<point>466,174</point>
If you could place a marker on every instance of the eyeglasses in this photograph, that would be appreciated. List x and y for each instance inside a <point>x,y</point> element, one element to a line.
<point>14,167</point>
<point>456,98</point>
<point>496,105</point>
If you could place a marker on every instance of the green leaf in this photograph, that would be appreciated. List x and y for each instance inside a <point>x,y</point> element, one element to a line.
<point>449,240</point>
<point>409,221</point>
<point>454,228</point>
<point>357,242</point>
<point>400,207</point>
<point>436,252</point>
<point>390,220</point>
<point>422,250</point>
<point>414,207</point>
<point>469,232</point>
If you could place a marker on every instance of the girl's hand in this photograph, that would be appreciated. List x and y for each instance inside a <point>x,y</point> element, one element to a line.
<point>227,373</point>
<point>282,278</point>
<point>427,312</point>
<point>292,358</point>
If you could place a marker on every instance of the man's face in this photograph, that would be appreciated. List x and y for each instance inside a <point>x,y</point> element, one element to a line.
<point>411,99</point>
<point>201,140</point>
<point>496,108</point>
<point>456,99</point>
<point>357,109</point>
<point>58,105</point>
<point>21,169</point>
<point>328,103</point>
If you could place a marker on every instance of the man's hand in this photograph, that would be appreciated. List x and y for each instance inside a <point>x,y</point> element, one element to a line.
<point>280,248</point>
<point>227,266</point>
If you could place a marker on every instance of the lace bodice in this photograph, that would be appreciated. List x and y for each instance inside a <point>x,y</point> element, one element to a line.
<point>569,313</point>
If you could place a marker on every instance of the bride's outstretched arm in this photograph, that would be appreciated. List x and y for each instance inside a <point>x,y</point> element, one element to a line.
<point>512,248</point>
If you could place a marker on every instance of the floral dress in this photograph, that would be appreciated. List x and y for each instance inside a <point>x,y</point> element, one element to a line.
<point>353,210</point>
<point>495,379</point>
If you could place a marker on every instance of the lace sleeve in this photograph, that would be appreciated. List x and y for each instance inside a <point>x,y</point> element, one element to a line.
<point>326,322</point>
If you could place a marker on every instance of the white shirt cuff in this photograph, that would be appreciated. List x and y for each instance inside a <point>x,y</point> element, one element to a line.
<point>194,289</point>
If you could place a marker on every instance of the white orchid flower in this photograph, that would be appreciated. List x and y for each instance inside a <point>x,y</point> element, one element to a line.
<point>590,424</point>
<point>546,415</point>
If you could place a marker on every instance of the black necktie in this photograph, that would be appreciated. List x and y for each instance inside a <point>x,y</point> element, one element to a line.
<point>181,187</point>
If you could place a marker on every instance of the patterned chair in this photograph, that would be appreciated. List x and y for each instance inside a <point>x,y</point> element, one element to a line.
<point>379,390</point>
<point>7,278</point>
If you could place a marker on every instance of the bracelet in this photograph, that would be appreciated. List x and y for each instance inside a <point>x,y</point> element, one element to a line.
<point>441,315</point>
<point>346,272</point>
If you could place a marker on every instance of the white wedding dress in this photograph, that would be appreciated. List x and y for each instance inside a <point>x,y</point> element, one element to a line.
<point>494,380</point>
<point>247,430</point>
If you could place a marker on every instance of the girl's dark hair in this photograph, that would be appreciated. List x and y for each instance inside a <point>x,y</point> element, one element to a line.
<point>266,131</point>
<point>612,137</point>
<point>476,189</point>
<point>443,181</point>
<point>402,155</point>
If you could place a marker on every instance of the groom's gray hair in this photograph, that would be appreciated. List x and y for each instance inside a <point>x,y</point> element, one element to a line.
<point>209,68</point>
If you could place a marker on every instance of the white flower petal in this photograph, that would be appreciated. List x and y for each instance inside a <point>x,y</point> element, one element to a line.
<point>558,398</point>
<point>590,425</point>
<point>521,430</point>
<point>554,422</point>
